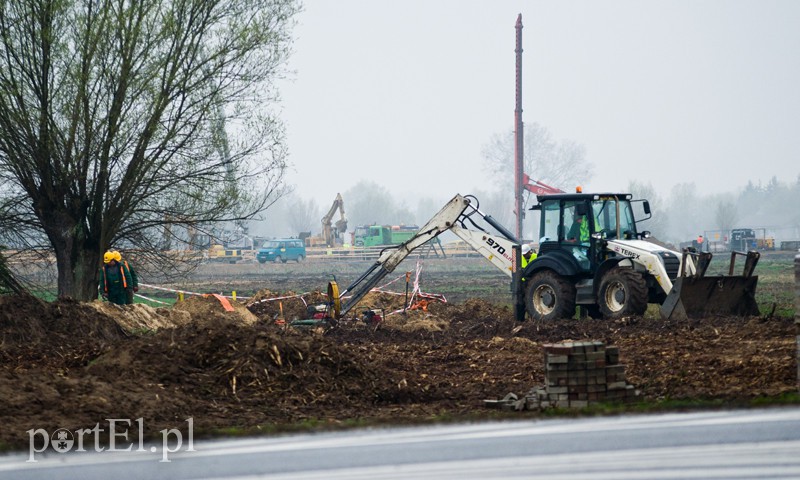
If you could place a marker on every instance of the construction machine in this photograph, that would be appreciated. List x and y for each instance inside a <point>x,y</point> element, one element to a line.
<point>607,267</point>
<point>611,270</point>
<point>331,232</point>
<point>538,188</point>
<point>378,235</point>
<point>460,216</point>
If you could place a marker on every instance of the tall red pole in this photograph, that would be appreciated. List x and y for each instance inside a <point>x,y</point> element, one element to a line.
<point>518,131</point>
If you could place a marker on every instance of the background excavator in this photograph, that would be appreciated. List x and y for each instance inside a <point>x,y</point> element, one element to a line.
<point>613,272</point>
<point>331,235</point>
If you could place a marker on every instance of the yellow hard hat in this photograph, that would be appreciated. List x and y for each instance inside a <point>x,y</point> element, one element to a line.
<point>117,256</point>
<point>108,256</point>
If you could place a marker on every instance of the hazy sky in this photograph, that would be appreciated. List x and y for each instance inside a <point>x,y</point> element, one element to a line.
<point>407,93</point>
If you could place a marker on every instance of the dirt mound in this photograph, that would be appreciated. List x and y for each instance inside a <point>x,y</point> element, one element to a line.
<point>140,317</point>
<point>289,306</point>
<point>24,318</point>
<point>209,308</point>
<point>65,332</point>
<point>477,317</point>
<point>382,300</point>
<point>416,321</point>
<point>242,361</point>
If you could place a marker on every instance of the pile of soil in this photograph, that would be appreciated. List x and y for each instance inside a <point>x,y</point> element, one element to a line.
<point>72,365</point>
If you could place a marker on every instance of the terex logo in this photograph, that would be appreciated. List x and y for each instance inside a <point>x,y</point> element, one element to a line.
<point>626,252</point>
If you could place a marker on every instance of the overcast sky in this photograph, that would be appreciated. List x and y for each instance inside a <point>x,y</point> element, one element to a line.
<point>407,93</point>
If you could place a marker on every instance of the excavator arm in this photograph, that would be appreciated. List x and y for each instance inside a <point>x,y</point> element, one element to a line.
<point>538,188</point>
<point>341,224</point>
<point>453,216</point>
<point>497,249</point>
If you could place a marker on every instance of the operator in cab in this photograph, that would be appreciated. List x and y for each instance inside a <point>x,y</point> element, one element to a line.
<point>579,231</point>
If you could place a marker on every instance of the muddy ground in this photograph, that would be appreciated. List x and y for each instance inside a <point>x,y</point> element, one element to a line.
<point>72,365</point>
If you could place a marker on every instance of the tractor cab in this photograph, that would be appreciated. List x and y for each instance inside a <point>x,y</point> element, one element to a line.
<point>574,226</point>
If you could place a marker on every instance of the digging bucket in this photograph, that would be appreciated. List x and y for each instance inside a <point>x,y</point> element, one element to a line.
<point>695,297</point>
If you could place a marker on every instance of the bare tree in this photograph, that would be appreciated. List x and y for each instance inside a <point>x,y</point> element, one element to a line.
<point>658,223</point>
<point>726,215</point>
<point>496,203</point>
<point>427,207</point>
<point>561,164</point>
<point>368,203</point>
<point>110,121</point>
<point>303,216</point>
<point>684,212</point>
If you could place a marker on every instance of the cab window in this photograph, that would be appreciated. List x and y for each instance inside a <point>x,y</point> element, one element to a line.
<point>550,222</point>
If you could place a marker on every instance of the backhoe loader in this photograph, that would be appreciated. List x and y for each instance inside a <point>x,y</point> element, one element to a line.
<point>612,271</point>
<point>601,263</point>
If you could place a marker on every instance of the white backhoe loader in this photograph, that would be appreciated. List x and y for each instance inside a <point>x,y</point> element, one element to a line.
<point>590,255</point>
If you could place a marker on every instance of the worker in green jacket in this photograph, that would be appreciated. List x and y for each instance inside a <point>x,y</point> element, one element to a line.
<point>114,279</point>
<point>579,232</point>
<point>528,255</point>
<point>133,286</point>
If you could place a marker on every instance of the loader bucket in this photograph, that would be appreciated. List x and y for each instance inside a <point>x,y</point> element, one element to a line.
<point>695,297</point>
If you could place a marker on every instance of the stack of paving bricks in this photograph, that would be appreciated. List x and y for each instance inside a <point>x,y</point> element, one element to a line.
<point>578,374</point>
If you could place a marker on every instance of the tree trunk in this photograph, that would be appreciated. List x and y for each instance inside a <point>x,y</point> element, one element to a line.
<point>78,273</point>
<point>78,258</point>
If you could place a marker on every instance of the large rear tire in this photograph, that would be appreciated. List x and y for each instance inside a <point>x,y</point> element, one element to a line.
<point>622,293</point>
<point>549,297</point>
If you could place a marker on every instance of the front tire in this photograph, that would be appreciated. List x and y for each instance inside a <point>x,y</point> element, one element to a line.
<point>622,293</point>
<point>278,259</point>
<point>549,297</point>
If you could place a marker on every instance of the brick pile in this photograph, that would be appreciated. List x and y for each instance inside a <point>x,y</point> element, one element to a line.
<point>578,374</point>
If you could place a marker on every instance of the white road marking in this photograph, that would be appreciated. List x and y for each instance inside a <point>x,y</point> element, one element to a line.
<point>745,460</point>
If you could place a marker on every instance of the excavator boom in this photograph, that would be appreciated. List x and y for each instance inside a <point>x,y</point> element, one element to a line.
<point>538,188</point>
<point>328,235</point>
<point>453,216</point>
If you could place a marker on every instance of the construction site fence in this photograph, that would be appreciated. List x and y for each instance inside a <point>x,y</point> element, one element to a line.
<point>249,256</point>
<point>353,253</point>
<point>372,253</point>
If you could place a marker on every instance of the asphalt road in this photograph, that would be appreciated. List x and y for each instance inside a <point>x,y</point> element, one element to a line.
<point>739,444</point>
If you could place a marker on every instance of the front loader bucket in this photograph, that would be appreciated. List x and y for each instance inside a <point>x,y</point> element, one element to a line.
<point>695,297</point>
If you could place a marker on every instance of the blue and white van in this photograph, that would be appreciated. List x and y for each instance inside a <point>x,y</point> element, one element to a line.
<point>282,250</point>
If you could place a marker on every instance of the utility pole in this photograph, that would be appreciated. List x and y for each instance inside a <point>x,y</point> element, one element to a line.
<point>518,130</point>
